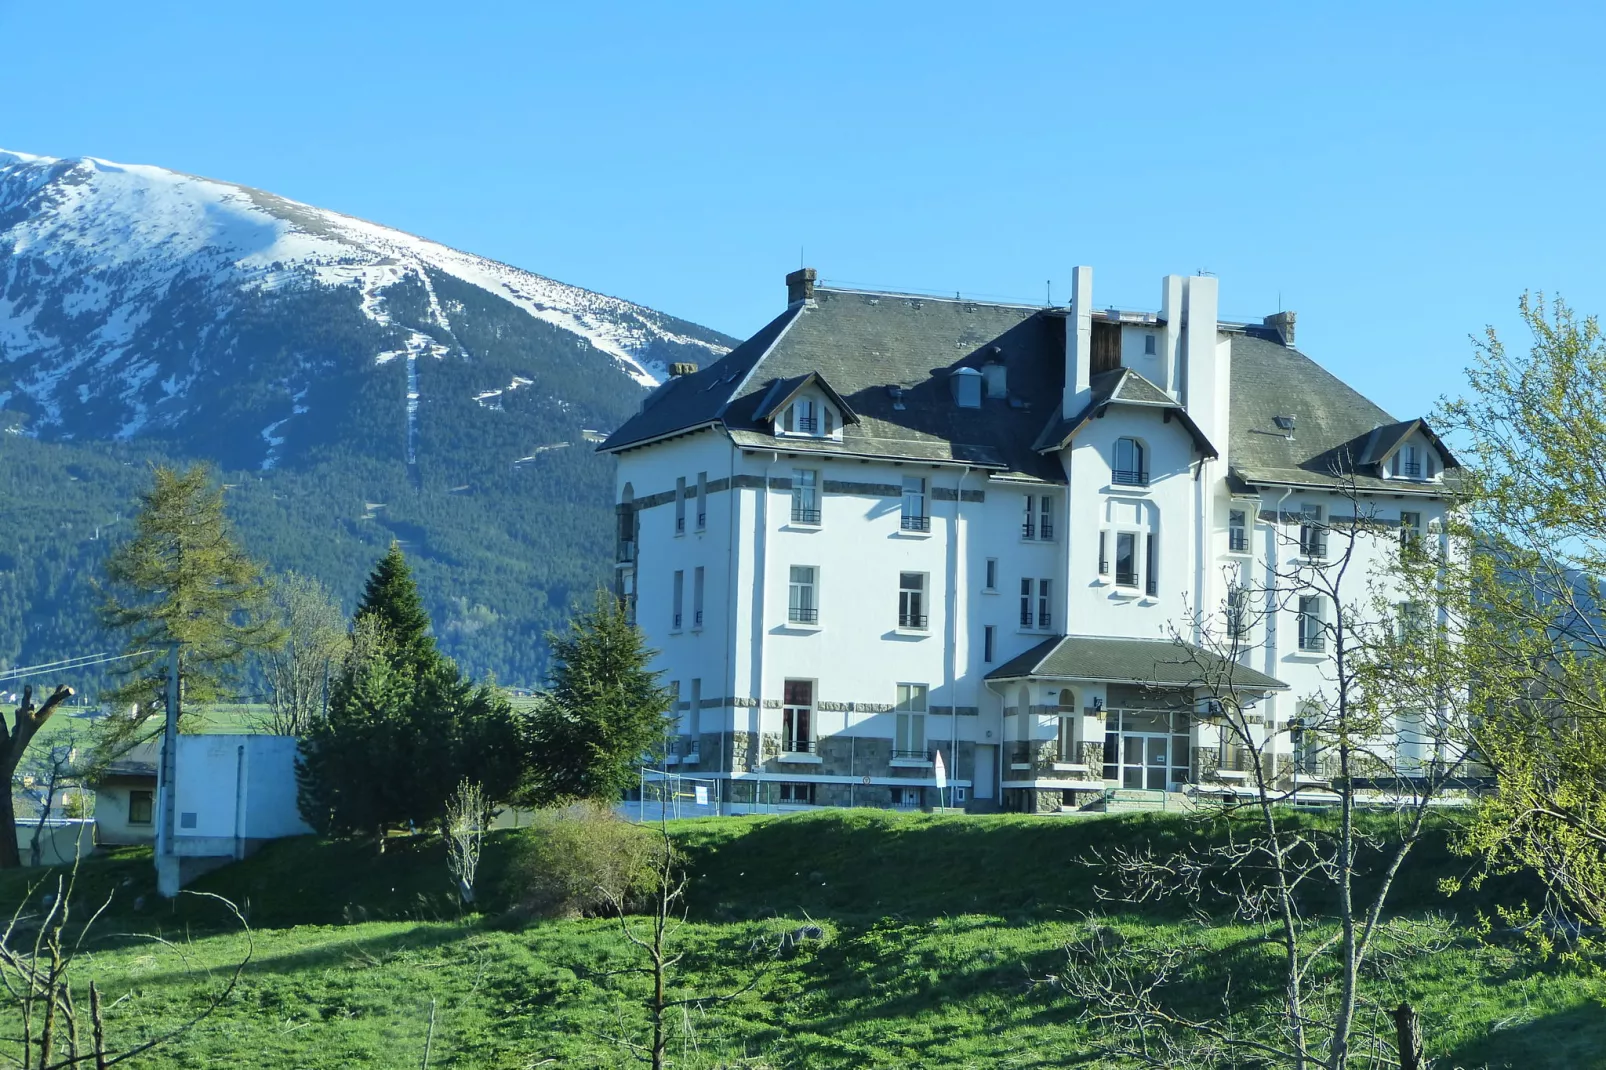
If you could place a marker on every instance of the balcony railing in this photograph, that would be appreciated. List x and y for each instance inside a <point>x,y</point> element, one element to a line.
<point>1129,477</point>
<point>1126,577</point>
<point>1044,620</point>
<point>798,746</point>
<point>1313,643</point>
<point>1045,530</point>
<point>702,521</point>
<point>677,620</point>
<point>1237,541</point>
<point>803,615</point>
<point>916,621</point>
<point>627,552</point>
<point>808,424</point>
<point>1028,530</point>
<point>805,516</point>
<point>911,755</point>
<point>1025,618</point>
<point>697,619</point>
<point>680,525</point>
<point>913,522</point>
<point>1412,469</point>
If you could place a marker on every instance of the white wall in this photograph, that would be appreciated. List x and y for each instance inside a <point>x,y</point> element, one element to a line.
<point>231,789</point>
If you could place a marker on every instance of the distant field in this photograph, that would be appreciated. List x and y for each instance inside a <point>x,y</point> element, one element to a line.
<point>939,935</point>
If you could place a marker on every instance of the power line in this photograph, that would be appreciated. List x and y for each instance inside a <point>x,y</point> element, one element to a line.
<point>83,661</point>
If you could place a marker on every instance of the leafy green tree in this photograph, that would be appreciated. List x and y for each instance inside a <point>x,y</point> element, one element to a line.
<point>605,711</point>
<point>404,727</point>
<point>1534,427</point>
<point>181,581</point>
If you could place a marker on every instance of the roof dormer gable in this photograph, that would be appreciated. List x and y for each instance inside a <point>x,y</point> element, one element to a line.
<point>1409,451</point>
<point>805,406</point>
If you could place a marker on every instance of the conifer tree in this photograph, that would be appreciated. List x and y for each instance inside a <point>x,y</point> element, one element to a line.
<point>181,581</point>
<point>404,727</point>
<point>605,712</point>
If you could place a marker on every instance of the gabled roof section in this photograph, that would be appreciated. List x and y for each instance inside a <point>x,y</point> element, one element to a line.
<point>1120,386</point>
<point>1151,662</point>
<point>1386,442</point>
<point>688,402</point>
<point>785,391</point>
<point>1334,424</point>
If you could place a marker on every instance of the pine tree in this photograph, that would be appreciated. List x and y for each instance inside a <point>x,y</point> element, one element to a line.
<point>391,597</point>
<point>605,712</point>
<point>404,726</point>
<point>181,581</point>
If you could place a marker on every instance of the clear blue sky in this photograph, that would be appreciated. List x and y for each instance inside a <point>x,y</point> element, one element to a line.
<point>1397,174</point>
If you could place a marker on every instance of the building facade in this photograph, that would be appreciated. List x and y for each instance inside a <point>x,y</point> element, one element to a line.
<point>891,531</point>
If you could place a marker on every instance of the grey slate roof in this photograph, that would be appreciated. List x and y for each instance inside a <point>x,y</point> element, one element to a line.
<point>1155,662</point>
<point>1334,423</point>
<point>860,344</point>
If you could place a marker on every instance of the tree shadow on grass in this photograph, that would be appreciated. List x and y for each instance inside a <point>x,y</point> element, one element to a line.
<point>1574,1039</point>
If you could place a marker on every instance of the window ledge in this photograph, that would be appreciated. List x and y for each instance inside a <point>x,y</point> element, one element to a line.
<point>1024,541</point>
<point>800,758</point>
<point>1015,766</point>
<point>1125,594</point>
<point>1149,600</point>
<point>989,590</point>
<point>1230,774</point>
<point>671,759</point>
<point>798,626</point>
<point>798,525</point>
<point>914,633</point>
<point>1309,778</point>
<point>1128,488</point>
<point>903,534</point>
<point>1312,656</point>
<point>910,763</point>
<point>1068,767</point>
<point>695,630</point>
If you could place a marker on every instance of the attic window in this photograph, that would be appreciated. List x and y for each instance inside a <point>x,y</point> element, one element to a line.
<point>1411,462</point>
<point>808,416</point>
<point>1285,424</point>
<point>966,384</point>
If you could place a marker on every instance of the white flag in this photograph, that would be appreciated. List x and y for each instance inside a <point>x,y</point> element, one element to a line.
<point>942,775</point>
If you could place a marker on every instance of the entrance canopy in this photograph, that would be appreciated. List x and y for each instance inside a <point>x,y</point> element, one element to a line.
<point>1148,662</point>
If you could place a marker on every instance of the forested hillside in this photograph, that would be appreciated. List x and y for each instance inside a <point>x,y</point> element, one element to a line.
<point>352,385</point>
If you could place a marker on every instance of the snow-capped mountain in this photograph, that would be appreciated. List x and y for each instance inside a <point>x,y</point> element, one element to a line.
<point>137,301</point>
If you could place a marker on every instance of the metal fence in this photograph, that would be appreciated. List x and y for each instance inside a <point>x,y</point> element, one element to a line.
<point>670,796</point>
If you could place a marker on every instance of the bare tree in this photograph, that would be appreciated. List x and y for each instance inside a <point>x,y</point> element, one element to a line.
<point>297,671</point>
<point>468,815</point>
<point>27,720</point>
<point>47,773</point>
<point>1386,732</point>
<point>38,956</point>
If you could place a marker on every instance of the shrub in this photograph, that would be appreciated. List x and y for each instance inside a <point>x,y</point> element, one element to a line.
<point>582,860</point>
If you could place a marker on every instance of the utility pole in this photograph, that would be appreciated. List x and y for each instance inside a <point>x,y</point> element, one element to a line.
<point>167,861</point>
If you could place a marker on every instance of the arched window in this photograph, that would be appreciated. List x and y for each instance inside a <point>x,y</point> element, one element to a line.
<point>1130,467</point>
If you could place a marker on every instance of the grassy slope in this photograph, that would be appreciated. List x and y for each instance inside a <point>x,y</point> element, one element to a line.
<point>936,928</point>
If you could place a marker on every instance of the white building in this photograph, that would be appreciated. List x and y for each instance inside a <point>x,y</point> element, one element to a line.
<point>888,526</point>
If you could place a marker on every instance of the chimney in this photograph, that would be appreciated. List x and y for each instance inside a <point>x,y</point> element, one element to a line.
<point>1283,324</point>
<point>1078,343</point>
<point>678,369</point>
<point>800,285</point>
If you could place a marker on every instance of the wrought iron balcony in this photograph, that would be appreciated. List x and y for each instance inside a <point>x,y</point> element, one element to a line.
<point>1045,530</point>
<point>912,620</point>
<point>697,619</point>
<point>808,424</point>
<point>911,755</point>
<point>805,516</point>
<point>1129,477</point>
<point>803,615</point>
<point>912,522</point>
<point>680,525</point>
<point>798,746</point>
<point>1237,541</point>
<point>1045,620</point>
<point>1312,541</point>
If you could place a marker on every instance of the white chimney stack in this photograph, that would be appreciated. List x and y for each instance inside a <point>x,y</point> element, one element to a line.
<point>1207,367</point>
<point>1079,343</point>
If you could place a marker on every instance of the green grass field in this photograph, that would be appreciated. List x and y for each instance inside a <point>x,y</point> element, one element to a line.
<point>939,932</point>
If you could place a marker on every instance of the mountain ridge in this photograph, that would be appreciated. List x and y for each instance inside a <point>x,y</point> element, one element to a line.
<point>352,383</point>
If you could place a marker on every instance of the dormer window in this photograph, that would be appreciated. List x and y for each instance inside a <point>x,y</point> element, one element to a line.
<point>1412,461</point>
<point>809,416</point>
<point>1129,468</point>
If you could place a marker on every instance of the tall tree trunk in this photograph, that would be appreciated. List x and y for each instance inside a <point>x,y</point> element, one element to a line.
<point>26,724</point>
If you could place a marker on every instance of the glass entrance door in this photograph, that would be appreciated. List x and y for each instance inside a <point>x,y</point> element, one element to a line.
<point>1143,761</point>
<point>1146,750</point>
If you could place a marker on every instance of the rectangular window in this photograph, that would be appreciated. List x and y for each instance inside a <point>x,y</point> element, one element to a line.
<point>1028,529</point>
<point>801,605</point>
<point>1237,531</point>
<point>801,417</point>
<point>1045,516</point>
<point>797,717</point>
<point>1312,533</point>
<point>1311,633</point>
<point>1151,567</point>
<point>989,643</point>
<point>1104,553</point>
<point>1237,612</point>
<point>909,733</point>
<point>1045,614</point>
<point>140,807</point>
<point>694,715</point>
<point>1065,743</point>
<point>1148,345</point>
<point>680,505</point>
<point>697,598</point>
<point>990,575</point>
<point>627,593</point>
<point>914,504</point>
<point>805,496</point>
<point>1413,622</point>
<point>797,793</point>
<point>702,500</point>
<point>912,600</point>
<point>1126,559</point>
<point>1410,531</point>
<point>1025,603</point>
<point>1408,462</point>
<point>680,600</point>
